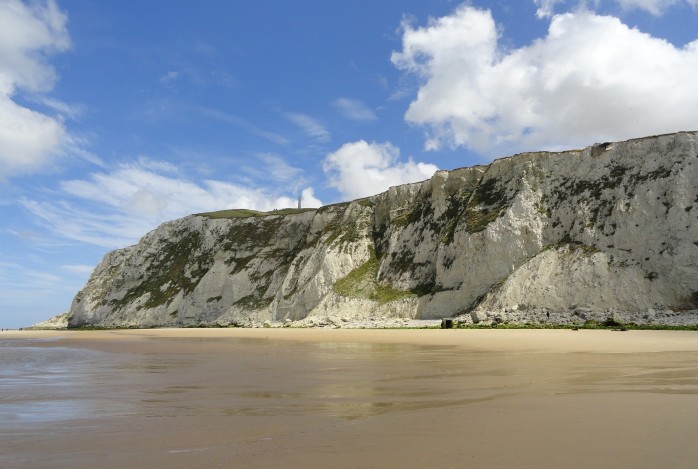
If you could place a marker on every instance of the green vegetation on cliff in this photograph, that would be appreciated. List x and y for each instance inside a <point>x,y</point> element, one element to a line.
<point>361,283</point>
<point>179,266</point>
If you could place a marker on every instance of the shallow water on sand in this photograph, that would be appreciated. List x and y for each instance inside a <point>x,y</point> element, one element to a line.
<point>186,402</point>
<point>50,384</point>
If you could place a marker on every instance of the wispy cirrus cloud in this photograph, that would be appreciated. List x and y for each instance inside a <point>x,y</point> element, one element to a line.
<point>355,110</point>
<point>169,77</point>
<point>310,126</point>
<point>19,280</point>
<point>80,269</point>
<point>198,78</point>
<point>278,169</point>
<point>68,110</point>
<point>242,123</point>
<point>655,7</point>
<point>172,109</point>
<point>115,208</point>
<point>547,8</point>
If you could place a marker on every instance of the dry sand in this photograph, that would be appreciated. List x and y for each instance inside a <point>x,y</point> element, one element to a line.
<point>362,398</point>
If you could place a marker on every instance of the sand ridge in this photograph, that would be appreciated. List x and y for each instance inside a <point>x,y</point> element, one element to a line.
<point>541,340</point>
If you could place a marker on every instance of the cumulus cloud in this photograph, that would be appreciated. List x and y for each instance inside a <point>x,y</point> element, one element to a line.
<point>29,34</point>
<point>27,138</point>
<point>308,198</point>
<point>355,110</point>
<point>592,78</point>
<point>113,209</point>
<point>360,169</point>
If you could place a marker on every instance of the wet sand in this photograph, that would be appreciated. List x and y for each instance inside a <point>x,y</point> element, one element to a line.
<point>354,398</point>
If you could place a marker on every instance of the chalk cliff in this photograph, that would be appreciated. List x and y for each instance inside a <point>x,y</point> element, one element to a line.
<point>607,231</point>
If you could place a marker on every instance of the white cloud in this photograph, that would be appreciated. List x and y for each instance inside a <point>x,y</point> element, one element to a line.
<point>28,138</point>
<point>278,169</point>
<point>169,77</point>
<point>655,7</point>
<point>71,111</point>
<point>80,269</point>
<point>308,198</point>
<point>592,78</point>
<point>546,8</point>
<point>198,78</point>
<point>29,33</point>
<point>156,166</point>
<point>354,109</point>
<point>310,126</point>
<point>360,169</point>
<point>270,168</point>
<point>114,209</point>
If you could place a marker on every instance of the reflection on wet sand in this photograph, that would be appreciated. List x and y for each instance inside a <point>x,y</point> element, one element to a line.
<point>254,402</point>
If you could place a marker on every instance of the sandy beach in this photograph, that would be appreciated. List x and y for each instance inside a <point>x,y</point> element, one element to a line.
<point>350,398</point>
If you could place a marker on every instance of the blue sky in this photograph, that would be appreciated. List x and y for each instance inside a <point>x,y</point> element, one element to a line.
<point>118,115</point>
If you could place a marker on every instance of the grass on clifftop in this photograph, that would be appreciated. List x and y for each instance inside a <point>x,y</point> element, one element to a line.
<point>245,213</point>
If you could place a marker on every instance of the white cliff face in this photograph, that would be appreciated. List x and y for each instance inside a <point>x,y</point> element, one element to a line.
<point>608,231</point>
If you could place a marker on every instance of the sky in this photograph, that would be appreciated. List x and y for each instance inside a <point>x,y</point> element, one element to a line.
<point>119,115</point>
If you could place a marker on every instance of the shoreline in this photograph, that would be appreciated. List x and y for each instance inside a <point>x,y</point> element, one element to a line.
<point>511,340</point>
